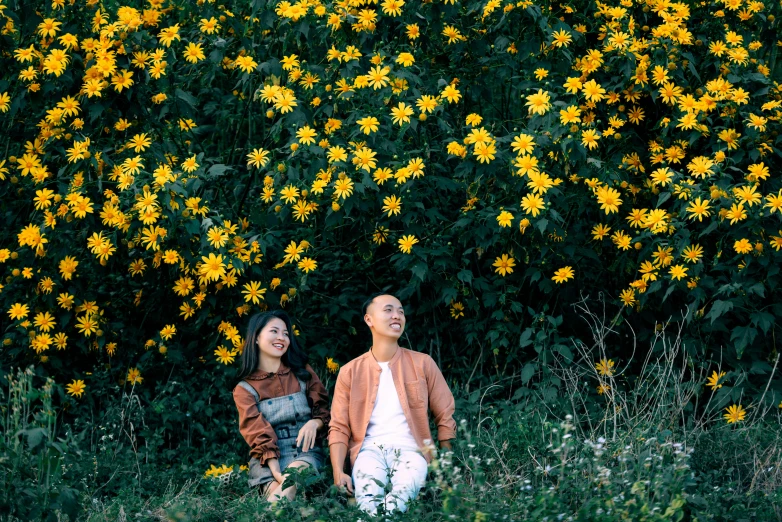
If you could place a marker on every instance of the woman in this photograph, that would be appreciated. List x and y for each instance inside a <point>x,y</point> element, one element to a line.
<point>283,406</point>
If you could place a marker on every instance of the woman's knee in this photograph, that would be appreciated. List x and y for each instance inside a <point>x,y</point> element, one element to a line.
<point>268,489</point>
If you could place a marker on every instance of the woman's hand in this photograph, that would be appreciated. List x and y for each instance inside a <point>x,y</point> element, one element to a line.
<point>307,434</point>
<point>274,466</point>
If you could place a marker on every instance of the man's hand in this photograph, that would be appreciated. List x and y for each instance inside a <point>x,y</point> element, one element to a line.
<point>445,445</point>
<point>343,481</point>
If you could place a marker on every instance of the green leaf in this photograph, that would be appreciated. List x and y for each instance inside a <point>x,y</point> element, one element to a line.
<point>420,269</point>
<point>188,98</point>
<point>217,170</point>
<point>527,372</point>
<point>743,335</point>
<point>718,309</point>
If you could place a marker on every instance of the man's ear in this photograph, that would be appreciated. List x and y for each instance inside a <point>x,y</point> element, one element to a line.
<point>368,320</point>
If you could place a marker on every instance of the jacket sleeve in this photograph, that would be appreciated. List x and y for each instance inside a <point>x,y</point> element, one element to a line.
<point>318,397</point>
<point>441,401</point>
<point>339,427</point>
<point>256,430</point>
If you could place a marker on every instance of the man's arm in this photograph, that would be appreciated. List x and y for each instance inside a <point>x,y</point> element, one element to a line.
<point>441,404</point>
<point>338,452</point>
<point>339,431</point>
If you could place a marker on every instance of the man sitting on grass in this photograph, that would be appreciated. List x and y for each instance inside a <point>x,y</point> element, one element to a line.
<point>379,414</point>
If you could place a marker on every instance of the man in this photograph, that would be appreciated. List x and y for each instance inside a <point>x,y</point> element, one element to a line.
<point>379,414</point>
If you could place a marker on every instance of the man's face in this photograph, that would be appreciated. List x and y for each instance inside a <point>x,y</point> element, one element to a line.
<point>386,316</point>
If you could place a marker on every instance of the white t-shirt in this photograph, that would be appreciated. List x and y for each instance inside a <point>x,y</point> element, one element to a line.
<point>388,425</point>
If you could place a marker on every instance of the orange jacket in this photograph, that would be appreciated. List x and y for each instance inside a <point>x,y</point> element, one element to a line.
<point>419,383</point>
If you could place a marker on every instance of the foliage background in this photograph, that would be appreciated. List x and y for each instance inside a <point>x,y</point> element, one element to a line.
<point>590,113</point>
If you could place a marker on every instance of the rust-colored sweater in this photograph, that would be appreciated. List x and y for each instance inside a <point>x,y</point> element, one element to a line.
<point>256,430</point>
<point>419,384</point>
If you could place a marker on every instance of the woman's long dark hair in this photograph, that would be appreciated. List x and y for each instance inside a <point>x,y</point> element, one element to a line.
<point>294,358</point>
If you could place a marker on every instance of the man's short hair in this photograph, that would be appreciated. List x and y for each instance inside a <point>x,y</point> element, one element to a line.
<point>369,301</point>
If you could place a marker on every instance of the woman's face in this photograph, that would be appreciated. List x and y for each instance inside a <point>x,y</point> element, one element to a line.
<point>273,340</point>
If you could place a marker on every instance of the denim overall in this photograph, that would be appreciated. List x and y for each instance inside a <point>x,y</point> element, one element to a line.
<point>287,415</point>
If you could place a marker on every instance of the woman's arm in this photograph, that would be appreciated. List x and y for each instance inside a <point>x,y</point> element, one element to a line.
<point>255,429</point>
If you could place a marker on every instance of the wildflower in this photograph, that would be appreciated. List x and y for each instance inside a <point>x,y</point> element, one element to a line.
<point>538,103</point>
<point>504,219</point>
<point>331,365</point>
<point>76,388</point>
<point>307,265</point>
<point>368,124</point>
<point>224,355</point>
<point>253,292</point>
<point>392,205</point>
<point>735,413</point>
<point>18,311</point>
<point>134,376</point>
<point>504,265</point>
<point>406,243</point>
<point>563,274</point>
<point>714,381</point>
<point>605,367</point>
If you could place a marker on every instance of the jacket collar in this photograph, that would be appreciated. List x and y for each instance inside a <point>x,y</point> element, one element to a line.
<point>392,362</point>
<point>259,375</point>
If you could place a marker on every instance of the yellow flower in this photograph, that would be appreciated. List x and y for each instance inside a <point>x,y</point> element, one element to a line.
<point>168,332</point>
<point>368,124</point>
<point>538,103</point>
<point>5,102</point>
<point>194,53</point>
<point>401,113</point>
<point>678,272</point>
<point>608,199</point>
<point>331,365</point>
<point>76,388</point>
<point>134,376</point>
<point>18,311</point>
<point>736,413</point>
<point>212,267</point>
<point>714,381</point>
<point>473,119</point>
<point>246,63</point>
<point>561,38</point>
<point>451,94</point>
<point>532,204</point>
<point>216,472</point>
<point>605,367</point>
<point>742,246</point>
<point>405,59</point>
<point>563,274</point>
<point>224,355</point>
<point>504,219</point>
<point>253,292</point>
<point>307,265</point>
<point>406,243</point>
<point>392,205</point>
<point>504,265</point>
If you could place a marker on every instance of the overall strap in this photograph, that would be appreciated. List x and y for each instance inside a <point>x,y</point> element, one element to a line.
<point>302,386</point>
<point>247,386</point>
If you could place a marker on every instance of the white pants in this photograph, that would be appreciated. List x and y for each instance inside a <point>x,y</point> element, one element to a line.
<point>404,468</point>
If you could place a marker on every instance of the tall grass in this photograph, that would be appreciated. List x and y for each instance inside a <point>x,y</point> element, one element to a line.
<point>652,446</point>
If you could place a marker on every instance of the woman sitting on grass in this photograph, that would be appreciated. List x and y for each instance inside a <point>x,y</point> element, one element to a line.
<point>283,406</point>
